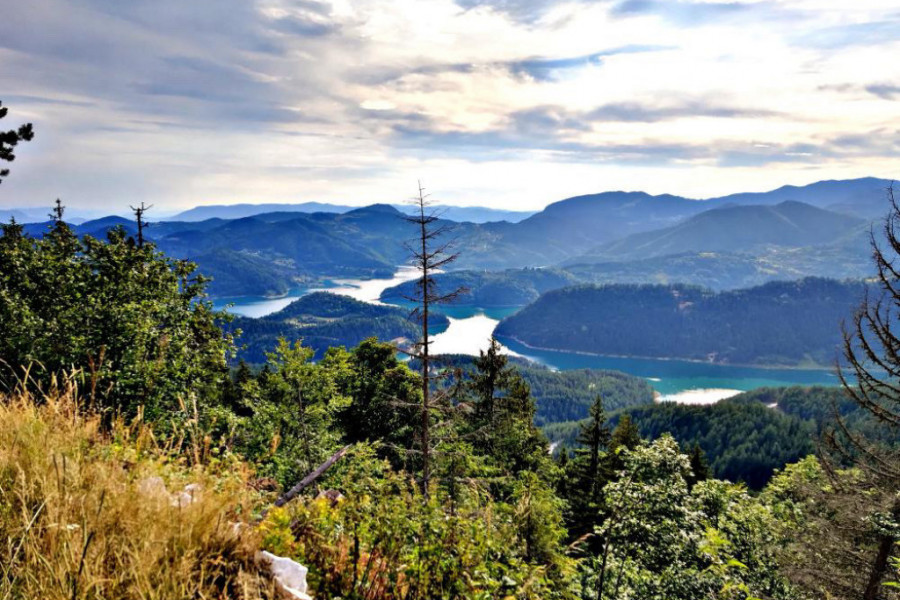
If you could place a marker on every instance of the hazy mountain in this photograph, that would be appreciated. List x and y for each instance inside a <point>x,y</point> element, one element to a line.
<point>865,197</point>
<point>270,252</point>
<point>565,227</point>
<point>473,214</point>
<point>746,229</point>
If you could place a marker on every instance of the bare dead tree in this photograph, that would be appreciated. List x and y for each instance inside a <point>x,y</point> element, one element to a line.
<point>430,252</point>
<point>870,376</point>
<point>141,223</point>
<point>58,210</point>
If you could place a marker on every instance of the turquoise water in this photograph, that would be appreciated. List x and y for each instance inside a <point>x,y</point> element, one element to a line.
<point>258,306</point>
<point>674,376</point>
<point>471,328</point>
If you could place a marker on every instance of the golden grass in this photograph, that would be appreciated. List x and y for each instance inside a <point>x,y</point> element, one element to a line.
<point>79,517</point>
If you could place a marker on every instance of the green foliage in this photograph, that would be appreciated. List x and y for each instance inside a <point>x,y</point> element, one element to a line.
<point>293,405</point>
<point>741,440</point>
<point>566,395</point>
<point>590,470</point>
<point>661,539</point>
<point>385,539</point>
<point>501,424</point>
<point>132,323</point>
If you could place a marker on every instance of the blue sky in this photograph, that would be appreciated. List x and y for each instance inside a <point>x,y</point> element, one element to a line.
<point>503,103</point>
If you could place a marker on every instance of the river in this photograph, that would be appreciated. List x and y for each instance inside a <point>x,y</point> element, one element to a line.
<point>471,328</point>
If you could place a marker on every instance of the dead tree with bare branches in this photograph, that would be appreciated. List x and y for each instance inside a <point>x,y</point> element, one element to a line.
<point>431,251</point>
<point>870,375</point>
<point>141,223</point>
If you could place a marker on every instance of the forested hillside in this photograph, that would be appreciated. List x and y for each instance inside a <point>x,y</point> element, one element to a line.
<point>484,289</point>
<point>747,229</point>
<point>779,323</point>
<point>323,320</point>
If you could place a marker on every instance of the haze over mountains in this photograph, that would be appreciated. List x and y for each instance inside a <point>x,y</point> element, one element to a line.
<point>628,237</point>
<point>732,229</point>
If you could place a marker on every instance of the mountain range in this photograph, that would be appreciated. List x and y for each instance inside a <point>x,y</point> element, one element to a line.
<point>726,242</point>
<point>473,214</point>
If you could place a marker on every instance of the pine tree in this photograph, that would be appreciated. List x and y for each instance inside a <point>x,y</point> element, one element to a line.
<point>10,139</point>
<point>700,470</point>
<point>490,380</point>
<point>590,471</point>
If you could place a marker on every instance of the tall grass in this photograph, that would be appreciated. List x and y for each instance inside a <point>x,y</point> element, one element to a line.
<point>83,514</point>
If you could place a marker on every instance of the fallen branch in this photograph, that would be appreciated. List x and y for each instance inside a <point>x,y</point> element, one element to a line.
<point>295,491</point>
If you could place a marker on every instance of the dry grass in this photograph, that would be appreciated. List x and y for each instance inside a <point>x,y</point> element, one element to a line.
<point>79,518</point>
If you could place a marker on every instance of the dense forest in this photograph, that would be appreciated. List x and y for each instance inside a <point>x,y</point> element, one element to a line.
<point>559,395</point>
<point>513,287</point>
<point>779,323</point>
<point>742,442</point>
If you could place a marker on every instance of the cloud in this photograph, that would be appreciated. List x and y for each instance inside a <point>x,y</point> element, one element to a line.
<point>869,33</point>
<point>245,100</point>
<point>684,12</point>
<point>643,113</point>
<point>885,91</point>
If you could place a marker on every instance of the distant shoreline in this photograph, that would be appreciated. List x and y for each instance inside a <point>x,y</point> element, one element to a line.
<point>668,358</point>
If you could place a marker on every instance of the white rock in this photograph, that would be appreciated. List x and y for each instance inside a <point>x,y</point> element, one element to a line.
<point>153,486</point>
<point>289,575</point>
<point>187,496</point>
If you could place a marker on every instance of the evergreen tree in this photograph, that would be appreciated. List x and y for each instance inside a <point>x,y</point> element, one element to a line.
<point>625,436</point>
<point>491,378</point>
<point>10,139</point>
<point>700,470</point>
<point>590,471</point>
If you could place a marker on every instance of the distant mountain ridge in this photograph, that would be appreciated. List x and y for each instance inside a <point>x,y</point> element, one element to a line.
<point>473,214</point>
<point>773,232</point>
<point>742,228</point>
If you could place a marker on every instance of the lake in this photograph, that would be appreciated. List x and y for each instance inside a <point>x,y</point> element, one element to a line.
<point>471,328</point>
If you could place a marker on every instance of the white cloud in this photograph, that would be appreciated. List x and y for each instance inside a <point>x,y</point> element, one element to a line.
<point>502,103</point>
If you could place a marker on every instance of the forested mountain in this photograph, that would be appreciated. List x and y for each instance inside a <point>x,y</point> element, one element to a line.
<point>779,323</point>
<point>322,320</point>
<point>848,258</point>
<point>864,197</point>
<point>270,252</point>
<point>746,229</point>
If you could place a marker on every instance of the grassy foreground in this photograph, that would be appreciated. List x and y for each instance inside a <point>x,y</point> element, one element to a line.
<point>88,512</point>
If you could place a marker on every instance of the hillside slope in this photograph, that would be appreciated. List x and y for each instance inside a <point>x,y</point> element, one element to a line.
<point>779,323</point>
<point>746,229</point>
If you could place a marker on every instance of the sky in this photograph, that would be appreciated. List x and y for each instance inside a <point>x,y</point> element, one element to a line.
<point>502,103</point>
